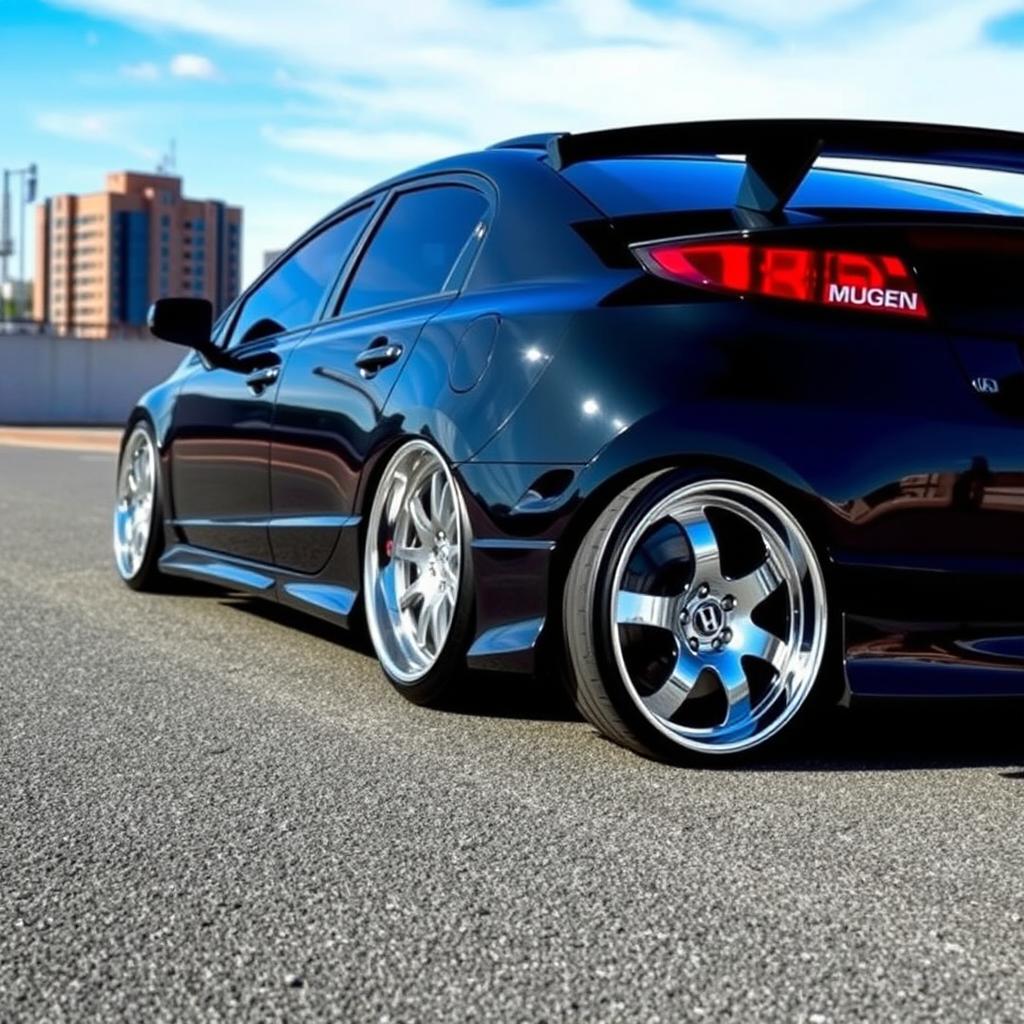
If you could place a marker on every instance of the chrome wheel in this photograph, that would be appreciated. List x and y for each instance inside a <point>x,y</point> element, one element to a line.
<point>412,568</point>
<point>136,494</point>
<point>719,616</point>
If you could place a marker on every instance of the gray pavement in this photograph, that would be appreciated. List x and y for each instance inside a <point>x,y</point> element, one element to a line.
<point>211,809</point>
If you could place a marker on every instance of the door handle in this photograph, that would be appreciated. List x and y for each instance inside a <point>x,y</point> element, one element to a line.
<point>259,381</point>
<point>377,356</point>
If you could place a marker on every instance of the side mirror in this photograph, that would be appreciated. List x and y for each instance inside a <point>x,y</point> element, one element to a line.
<point>186,322</point>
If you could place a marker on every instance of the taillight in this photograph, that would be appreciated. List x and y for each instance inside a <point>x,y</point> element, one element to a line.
<point>851,280</point>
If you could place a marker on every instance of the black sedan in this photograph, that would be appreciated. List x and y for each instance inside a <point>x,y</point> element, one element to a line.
<point>720,440</point>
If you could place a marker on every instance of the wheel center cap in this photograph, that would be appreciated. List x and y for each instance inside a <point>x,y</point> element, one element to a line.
<point>708,618</point>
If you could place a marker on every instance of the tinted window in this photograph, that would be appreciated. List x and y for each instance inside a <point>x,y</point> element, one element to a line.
<point>415,249</point>
<point>290,296</point>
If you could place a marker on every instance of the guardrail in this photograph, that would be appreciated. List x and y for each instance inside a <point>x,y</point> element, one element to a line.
<point>58,380</point>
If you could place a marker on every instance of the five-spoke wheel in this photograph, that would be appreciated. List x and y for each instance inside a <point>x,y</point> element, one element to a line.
<point>695,614</point>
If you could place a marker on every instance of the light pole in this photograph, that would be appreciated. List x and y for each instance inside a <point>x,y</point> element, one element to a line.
<point>27,194</point>
<point>5,242</point>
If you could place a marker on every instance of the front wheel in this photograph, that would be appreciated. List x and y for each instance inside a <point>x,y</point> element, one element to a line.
<point>138,511</point>
<point>417,575</point>
<point>695,615</point>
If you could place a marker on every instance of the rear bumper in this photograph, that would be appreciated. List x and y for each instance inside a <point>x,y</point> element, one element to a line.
<point>950,627</point>
<point>891,659</point>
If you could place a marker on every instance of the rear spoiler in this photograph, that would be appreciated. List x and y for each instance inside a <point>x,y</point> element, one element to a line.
<point>779,153</point>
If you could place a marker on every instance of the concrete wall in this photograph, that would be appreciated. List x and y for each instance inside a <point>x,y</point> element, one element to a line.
<point>46,379</point>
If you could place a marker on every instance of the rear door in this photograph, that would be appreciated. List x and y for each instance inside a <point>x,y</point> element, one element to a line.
<point>328,417</point>
<point>220,449</point>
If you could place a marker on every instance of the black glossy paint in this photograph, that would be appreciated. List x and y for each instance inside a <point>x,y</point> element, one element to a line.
<point>560,371</point>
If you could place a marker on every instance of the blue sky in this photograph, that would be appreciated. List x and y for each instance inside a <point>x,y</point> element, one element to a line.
<point>289,107</point>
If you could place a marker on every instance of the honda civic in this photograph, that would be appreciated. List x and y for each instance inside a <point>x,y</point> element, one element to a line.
<point>701,418</point>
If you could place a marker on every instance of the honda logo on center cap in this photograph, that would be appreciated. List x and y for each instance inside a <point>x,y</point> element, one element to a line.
<point>708,618</point>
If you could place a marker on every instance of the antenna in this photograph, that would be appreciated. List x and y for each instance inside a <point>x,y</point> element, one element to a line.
<point>169,161</point>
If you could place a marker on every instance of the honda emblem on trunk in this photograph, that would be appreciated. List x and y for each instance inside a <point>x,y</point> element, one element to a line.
<point>985,385</point>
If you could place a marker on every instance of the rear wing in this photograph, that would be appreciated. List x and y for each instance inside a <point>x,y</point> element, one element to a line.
<point>779,153</point>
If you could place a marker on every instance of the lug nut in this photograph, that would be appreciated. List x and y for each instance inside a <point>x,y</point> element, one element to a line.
<point>694,644</point>
<point>726,635</point>
<point>717,643</point>
<point>704,590</point>
<point>684,617</point>
<point>729,602</point>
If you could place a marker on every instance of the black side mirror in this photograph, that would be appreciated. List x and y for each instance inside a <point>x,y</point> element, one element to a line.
<point>186,322</point>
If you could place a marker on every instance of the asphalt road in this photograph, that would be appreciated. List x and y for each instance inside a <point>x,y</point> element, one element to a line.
<point>213,810</point>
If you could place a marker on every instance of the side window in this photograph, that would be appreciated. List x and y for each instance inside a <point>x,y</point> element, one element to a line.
<point>290,296</point>
<point>413,252</point>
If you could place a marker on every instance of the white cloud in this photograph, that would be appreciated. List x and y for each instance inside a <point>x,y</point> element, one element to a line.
<point>338,186</point>
<point>81,127</point>
<point>774,12</point>
<point>481,72</point>
<point>365,146</point>
<point>144,71</point>
<point>103,128</point>
<point>192,65</point>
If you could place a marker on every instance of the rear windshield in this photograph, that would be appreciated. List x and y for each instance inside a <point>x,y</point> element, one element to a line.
<point>645,185</point>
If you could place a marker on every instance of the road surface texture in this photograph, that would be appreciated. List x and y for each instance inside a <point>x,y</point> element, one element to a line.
<point>210,809</point>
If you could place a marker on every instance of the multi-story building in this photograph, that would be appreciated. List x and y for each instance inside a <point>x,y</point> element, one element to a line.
<point>102,258</point>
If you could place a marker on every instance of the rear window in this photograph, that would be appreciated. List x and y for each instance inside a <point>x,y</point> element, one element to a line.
<point>646,185</point>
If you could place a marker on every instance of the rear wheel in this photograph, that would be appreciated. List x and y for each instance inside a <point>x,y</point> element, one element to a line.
<point>417,580</point>
<point>138,515</point>
<point>695,615</point>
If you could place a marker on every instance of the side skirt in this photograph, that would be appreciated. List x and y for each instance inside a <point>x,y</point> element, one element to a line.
<point>511,595</point>
<point>324,600</point>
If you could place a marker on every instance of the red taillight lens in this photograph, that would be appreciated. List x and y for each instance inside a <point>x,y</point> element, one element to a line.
<point>851,280</point>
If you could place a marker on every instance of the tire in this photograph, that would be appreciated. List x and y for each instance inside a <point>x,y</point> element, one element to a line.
<point>138,507</point>
<point>695,619</point>
<point>417,575</point>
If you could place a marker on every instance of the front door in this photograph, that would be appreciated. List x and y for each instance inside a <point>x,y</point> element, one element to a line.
<point>220,455</point>
<point>220,448</point>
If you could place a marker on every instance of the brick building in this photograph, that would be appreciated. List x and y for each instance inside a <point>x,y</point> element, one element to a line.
<point>102,258</point>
